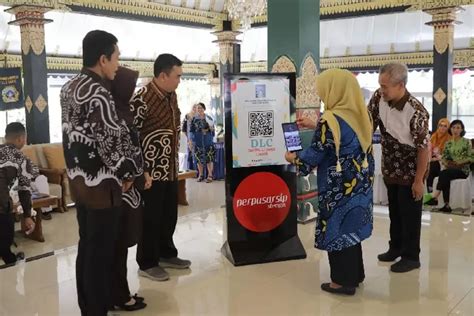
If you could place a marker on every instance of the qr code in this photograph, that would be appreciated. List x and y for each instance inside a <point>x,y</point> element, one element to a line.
<point>261,124</point>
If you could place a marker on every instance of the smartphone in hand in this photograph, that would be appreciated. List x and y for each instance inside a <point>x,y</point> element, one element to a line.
<point>292,137</point>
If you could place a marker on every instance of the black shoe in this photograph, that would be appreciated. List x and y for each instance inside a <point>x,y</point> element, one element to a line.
<point>46,216</point>
<point>446,209</point>
<point>390,255</point>
<point>130,308</point>
<point>138,298</point>
<point>432,202</point>
<point>346,290</point>
<point>11,259</point>
<point>405,265</point>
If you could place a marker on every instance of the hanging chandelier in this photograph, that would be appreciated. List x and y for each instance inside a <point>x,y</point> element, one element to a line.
<point>245,10</point>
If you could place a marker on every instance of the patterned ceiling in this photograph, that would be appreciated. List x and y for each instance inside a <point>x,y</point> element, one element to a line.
<point>205,5</point>
<point>382,34</point>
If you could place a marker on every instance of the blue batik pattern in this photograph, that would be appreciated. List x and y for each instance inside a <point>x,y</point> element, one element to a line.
<point>345,198</point>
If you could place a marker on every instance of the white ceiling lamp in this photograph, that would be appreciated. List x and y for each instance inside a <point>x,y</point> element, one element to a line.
<point>245,10</point>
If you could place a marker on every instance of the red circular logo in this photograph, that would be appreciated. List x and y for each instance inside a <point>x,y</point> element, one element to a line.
<point>262,202</point>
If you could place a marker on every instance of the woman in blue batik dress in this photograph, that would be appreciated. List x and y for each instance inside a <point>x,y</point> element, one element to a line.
<point>202,135</point>
<point>341,149</point>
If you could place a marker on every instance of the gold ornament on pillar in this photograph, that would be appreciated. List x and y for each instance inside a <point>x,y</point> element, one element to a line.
<point>32,35</point>
<point>284,64</point>
<point>226,40</point>
<point>31,20</point>
<point>226,53</point>
<point>443,23</point>
<point>306,93</point>
<point>443,38</point>
<point>440,96</point>
<point>41,103</point>
<point>28,104</point>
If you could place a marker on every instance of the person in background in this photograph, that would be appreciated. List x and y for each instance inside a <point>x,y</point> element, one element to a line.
<point>40,185</point>
<point>438,140</point>
<point>14,165</point>
<point>341,149</point>
<point>457,157</point>
<point>202,131</point>
<point>122,89</point>
<point>403,123</point>
<point>186,129</point>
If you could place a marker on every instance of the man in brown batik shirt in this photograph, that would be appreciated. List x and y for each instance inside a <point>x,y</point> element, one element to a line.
<point>403,123</point>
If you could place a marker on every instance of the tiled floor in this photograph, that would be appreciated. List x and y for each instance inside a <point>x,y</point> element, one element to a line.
<point>443,285</point>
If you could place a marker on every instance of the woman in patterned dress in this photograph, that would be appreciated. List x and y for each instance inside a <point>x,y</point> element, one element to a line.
<point>202,135</point>
<point>341,149</point>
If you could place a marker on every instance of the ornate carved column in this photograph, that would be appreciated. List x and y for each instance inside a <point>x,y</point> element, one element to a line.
<point>293,46</point>
<point>443,23</point>
<point>31,21</point>
<point>229,58</point>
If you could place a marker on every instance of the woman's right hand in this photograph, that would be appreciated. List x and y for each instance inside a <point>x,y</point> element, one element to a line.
<point>306,122</point>
<point>148,180</point>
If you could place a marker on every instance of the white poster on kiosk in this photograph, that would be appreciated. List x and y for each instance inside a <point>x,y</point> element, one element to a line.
<point>259,107</point>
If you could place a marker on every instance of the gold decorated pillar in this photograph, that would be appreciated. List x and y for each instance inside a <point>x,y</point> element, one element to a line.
<point>229,59</point>
<point>443,23</point>
<point>33,52</point>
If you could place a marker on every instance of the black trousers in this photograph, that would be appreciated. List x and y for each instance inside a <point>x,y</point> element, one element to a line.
<point>7,230</point>
<point>120,292</point>
<point>160,216</point>
<point>97,236</point>
<point>347,266</point>
<point>444,181</point>
<point>405,221</point>
<point>435,168</point>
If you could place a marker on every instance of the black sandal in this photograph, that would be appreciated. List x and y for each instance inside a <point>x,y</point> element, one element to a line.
<point>345,290</point>
<point>138,298</point>
<point>139,304</point>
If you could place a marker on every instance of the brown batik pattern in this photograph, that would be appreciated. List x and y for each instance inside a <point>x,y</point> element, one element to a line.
<point>399,160</point>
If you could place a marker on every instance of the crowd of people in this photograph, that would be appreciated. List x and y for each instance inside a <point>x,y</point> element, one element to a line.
<point>121,152</point>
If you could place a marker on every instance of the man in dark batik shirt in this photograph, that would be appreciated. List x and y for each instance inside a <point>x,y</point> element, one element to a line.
<point>14,165</point>
<point>101,162</point>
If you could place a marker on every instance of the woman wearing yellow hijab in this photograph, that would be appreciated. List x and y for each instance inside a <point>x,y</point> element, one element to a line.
<point>342,151</point>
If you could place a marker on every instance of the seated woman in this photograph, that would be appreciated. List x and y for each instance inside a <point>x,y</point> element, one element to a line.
<point>202,134</point>
<point>457,156</point>
<point>438,141</point>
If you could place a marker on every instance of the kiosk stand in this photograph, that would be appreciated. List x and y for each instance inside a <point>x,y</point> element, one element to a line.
<point>261,198</point>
